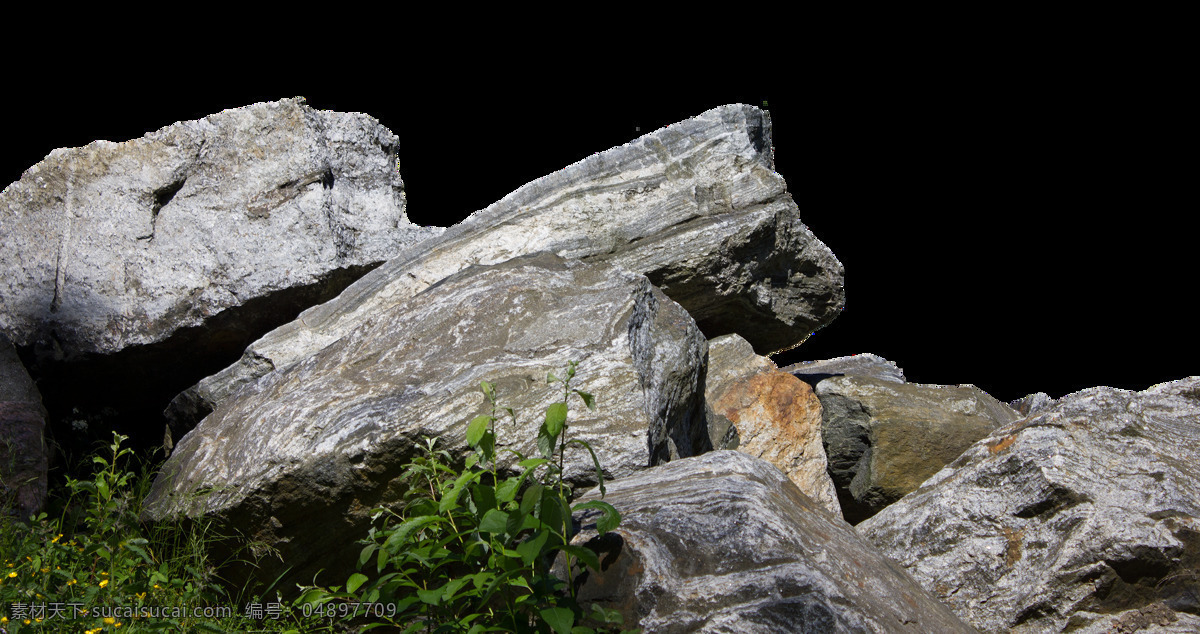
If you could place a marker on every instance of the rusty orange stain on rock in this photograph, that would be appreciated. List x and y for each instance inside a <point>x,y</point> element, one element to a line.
<point>1003,444</point>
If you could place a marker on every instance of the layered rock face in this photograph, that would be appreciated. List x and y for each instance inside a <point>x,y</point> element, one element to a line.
<point>299,458</point>
<point>696,207</point>
<point>726,543</point>
<point>23,455</point>
<point>1082,517</point>
<point>883,438</point>
<point>768,414</point>
<point>114,245</point>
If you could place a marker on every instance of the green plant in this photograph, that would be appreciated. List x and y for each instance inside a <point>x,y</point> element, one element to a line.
<point>96,568</point>
<point>474,551</point>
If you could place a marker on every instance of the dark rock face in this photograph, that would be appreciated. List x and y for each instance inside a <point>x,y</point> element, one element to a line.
<point>726,543</point>
<point>762,412</point>
<point>299,458</point>
<point>23,455</point>
<point>696,207</point>
<point>1084,516</point>
<point>883,439</point>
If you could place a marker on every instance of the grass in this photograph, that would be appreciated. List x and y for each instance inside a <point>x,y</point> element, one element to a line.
<point>91,566</point>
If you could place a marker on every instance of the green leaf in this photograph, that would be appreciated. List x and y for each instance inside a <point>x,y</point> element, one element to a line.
<point>595,461</point>
<point>407,528</point>
<point>450,499</point>
<point>488,390</point>
<point>532,547</point>
<point>559,619</point>
<point>355,582</point>
<point>507,490</point>
<point>588,399</point>
<point>532,496</point>
<point>494,521</point>
<point>366,553</point>
<point>476,429</point>
<point>135,546</point>
<point>582,554</point>
<point>550,378</point>
<point>609,516</point>
<point>430,597</point>
<point>556,417</point>
<point>545,442</point>
<point>102,488</point>
<point>532,463</point>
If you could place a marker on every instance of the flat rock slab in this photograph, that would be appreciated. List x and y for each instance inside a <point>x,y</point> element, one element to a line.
<point>724,542</point>
<point>763,412</point>
<point>696,207</point>
<point>113,245</point>
<point>1083,516</point>
<point>299,458</point>
<point>867,364</point>
<point>883,438</point>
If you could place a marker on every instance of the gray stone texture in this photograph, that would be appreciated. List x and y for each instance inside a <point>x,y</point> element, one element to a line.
<point>697,207</point>
<point>883,438</point>
<point>113,245</point>
<point>867,364</point>
<point>23,454</point>
<point>760,411</point>
<point>299,458</point>
<point>1083,516</point>
<point>724,542</point>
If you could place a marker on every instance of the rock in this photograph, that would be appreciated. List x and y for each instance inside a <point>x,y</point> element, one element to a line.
<point>813,372</point>
<point>1032,403</point>
<point>113,245</point>
<point>696,207</point>
<point>23,455</point>
<point>298,459</point>
<point>762,412</point>
<point>1084,515</point>
<point>883,439</point>
<point>724,542</point>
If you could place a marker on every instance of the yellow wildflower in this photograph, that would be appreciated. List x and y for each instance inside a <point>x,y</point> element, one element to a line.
<point>104,583</point>
<point>108,620</point>
<point>12,574</point>
<point>55,540</point>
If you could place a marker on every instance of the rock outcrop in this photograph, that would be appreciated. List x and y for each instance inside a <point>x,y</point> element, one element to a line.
<point>696,207</point>
<point>763,412</point>
<point>1084,516</point>
<point>23,455</point>
<point>872,365</point>
<point>113,245</point>
<point>299,458</point>
<point>726,543</point>
<point>883,439</point>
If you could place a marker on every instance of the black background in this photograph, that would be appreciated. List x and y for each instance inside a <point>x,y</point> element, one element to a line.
<point>1014,222</point>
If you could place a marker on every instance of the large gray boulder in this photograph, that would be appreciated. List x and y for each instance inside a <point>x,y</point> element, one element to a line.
<point>23,455</point>
<point>696,207</point>
<point>757,409</point>
<point>867,364</point>
<point>114,245</point>
<point>298,459</point>
<point>726,543</point>
<point>883,438</point>
<point>1084,517</point>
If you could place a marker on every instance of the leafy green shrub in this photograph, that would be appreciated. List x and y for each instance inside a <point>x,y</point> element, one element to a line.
<point>95,566</point>
<point>472,551</point>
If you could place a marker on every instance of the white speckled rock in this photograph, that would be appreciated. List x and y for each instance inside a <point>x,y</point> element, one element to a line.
<point>1084,515</point>
<point>298,459</point>
<point>696,207</point>
<point>725,543</point>
<point>113,245</point>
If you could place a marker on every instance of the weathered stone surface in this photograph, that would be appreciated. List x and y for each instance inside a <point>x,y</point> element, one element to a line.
<point>1032,403</point>
<point>883,439</point>
<point>23,455</point>
<point>762,412</point>
<point>1086,515</point>
<point>696,207</point>
<point>113,245</point>
<point>299,458</point>
<point>724,542</point>
<point>872,365</point>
